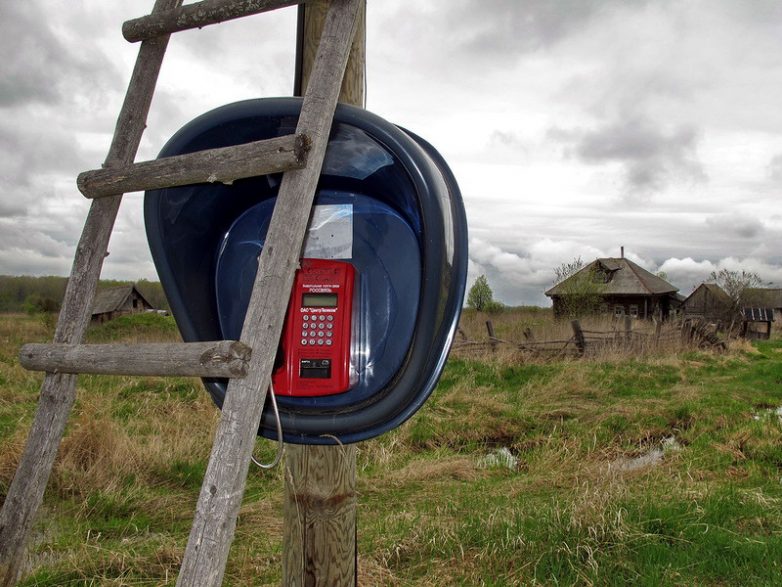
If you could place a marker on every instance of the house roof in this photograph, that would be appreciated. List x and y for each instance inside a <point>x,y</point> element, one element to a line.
<point>719,295</point>
<point>111,298</point>
<point>763,297</point>
<point>624,278</point>
<point>759,314</point>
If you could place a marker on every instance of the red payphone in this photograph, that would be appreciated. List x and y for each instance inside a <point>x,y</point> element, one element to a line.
<point>316,338</point>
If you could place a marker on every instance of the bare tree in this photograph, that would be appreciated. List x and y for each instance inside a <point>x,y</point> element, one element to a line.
<point>735,284</point>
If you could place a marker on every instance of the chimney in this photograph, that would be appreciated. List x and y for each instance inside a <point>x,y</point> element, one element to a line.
<point>622,251</point>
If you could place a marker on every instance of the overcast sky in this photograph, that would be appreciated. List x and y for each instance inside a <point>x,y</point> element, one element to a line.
<point>573,126</point>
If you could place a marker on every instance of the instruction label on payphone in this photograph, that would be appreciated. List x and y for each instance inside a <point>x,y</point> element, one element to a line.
<point>316,337</point>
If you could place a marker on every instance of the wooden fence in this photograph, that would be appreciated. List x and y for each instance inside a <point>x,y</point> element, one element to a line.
<point>624,338</point>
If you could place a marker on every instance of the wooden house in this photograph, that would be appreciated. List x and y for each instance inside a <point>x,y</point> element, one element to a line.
<point>116,301</point>
<point>621,288</point>
<point>710,303</point>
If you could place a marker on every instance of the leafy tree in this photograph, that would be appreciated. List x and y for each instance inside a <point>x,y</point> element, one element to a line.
<point>37,304</point>
<point>480,296</point>
<point>495,307</point>
<point>580,292</point>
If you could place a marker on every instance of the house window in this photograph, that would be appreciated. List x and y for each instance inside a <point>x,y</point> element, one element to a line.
<point>634,310</point>
<point>619,311</point>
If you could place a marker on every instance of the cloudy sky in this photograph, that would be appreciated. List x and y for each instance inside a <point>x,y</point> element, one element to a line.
<point>574,127</point>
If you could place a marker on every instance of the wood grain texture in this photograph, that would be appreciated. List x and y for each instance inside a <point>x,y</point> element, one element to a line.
<point>319,533</point>
<point>353,90</point>
<point>197,15</point>
<point>319,524</point>
<point>58,391</point>
<point>226,475</point>
<point>223,165</point>
<point>223,358</point>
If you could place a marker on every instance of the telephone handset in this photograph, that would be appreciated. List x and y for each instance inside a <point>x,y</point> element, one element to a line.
<point>315,341</point>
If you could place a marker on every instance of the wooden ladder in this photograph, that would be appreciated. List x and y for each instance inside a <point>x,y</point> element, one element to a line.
<point>248,363</point>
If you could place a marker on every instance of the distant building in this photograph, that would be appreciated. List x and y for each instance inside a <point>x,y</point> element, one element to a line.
<point>624,289</point>
<point>756,323</point>
<point>763,297</point>
<point>116,301</point>
<point>710,303</point>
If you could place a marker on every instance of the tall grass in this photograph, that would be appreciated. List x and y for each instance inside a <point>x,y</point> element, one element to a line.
<point>530,334</point>
<point>565,508</point>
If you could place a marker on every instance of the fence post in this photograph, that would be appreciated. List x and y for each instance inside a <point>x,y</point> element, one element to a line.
<point>579,336</point>
<point>628,329</point>
<point>492,338</point>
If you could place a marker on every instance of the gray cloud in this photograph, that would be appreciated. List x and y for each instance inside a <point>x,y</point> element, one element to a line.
<point>38,67</point>
<point>775,168</point>
<point>740,225</point>
<point>503,27</point>
<point>651,156</point>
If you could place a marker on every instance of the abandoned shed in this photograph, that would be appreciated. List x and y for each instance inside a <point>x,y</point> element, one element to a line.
<point>619,287</point>
<point>764,297</point>
<point>710,303</point>
<point>116,301</point>
<point>756,324</point>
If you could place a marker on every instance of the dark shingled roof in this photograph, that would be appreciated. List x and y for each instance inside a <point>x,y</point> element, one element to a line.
<point>763,297</point>
<point>109,299</point>
<point>759,314</point>
<point>627,278</point>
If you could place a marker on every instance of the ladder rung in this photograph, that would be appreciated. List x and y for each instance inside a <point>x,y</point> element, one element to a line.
<point>223,165</point>
<point>222,358</point>
<point>197,15</point>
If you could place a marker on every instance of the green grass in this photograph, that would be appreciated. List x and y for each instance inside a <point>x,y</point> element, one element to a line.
<point>576,509</point>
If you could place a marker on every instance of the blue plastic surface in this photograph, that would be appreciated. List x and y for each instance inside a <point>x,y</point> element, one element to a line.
<point>384,251</point>
<point>410,248</point>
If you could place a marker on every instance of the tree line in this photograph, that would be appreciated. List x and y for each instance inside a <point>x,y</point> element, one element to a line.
<point>44,294</point>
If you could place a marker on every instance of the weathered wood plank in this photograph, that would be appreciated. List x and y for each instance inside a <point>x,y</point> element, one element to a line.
<point>319,533</point>
<point>223,358</point>
<point>353,90</point>
<point>58,391</point>
<point>223,165</point>
<point>226,475</point>
<point>197,15</point>
<point>319,513</point>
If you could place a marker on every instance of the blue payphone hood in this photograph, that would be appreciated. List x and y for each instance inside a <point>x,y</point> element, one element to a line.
<point>410,236</point>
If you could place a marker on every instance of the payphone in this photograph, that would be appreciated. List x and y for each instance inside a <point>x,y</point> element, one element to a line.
<point>315,345</point>
<point>384,261</point>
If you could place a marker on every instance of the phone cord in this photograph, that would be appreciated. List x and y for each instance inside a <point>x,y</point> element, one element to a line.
<point>280,443</point>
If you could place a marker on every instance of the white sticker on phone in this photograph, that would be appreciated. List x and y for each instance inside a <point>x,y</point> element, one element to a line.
<point>330,235</point>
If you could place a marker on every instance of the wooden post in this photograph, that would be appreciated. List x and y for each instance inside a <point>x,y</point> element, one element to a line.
<point>319,526</point>
<point>58,391</point>
<point>203,564</point>
<point>579,336</point>
<point>658,327</point>
<point>492,337</point>
<point>628,329</point>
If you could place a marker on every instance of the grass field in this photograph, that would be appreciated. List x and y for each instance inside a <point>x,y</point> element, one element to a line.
<point>659,470</point>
